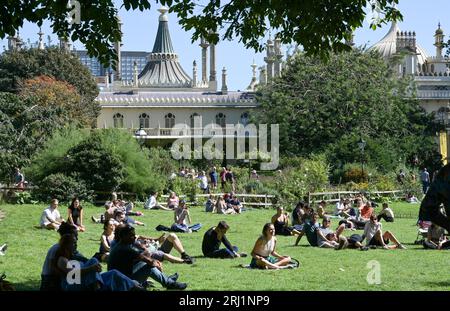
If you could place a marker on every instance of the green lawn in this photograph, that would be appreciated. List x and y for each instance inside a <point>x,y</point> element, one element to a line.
<point>321,269</point>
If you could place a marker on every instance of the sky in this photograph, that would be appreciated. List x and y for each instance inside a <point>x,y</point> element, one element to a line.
<point>139,32</point>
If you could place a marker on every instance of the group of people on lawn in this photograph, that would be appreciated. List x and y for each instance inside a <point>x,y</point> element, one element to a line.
<point>131,259</point>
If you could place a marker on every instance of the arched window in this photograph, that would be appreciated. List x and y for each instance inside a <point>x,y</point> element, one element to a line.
<point>221,119</point>
<point>432,68</point>
<point>144,121</point>
<point>245,118</point>
<point>192,120</point>
<point>424,68</point>
<point>118,120</point>
<point>169,120</point>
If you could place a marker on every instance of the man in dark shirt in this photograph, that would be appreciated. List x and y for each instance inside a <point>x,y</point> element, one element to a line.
<point>311,229</point>
<point>437,194</point>
<point>211,243</point>
<point>136,265</point>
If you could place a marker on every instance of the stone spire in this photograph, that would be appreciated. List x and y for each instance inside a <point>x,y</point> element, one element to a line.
<point>117,48</point>
<point>41,42</point>
<point>204,45</point>
<point>262,76</point>
<point>64,44</point>
<point>135,75</point>
<point>194,74</point>
<point>269,59</point>
<point>212,63</point>
<point>254,81</point>
<point>278,56</point>
<point>439,41</point>
<point>224,82</point>
<point>19,42</point>
<point>163,69</point>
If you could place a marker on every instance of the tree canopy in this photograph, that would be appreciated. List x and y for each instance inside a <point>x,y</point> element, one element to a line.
<point>318,25</point>
<point>18,66</point>
<point>328,106</point>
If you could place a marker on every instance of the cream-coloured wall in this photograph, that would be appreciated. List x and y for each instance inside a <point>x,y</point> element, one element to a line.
<point>182,115</point>
<point>433,105</point>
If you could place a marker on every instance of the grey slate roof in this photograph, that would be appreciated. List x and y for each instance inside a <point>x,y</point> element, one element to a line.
<point>163,69</point>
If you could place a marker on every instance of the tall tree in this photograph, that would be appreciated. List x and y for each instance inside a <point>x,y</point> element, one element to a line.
<point>24,127</point>
<point>18,66</point>
<point>327,106</point>
<point>318,25</point>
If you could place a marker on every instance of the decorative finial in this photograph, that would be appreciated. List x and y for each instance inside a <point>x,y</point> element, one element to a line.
<point>41,42</point>
<point>163,17</point>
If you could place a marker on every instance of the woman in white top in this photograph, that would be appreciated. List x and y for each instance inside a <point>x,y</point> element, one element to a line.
<point>375,237</point>
<point>264,255</point>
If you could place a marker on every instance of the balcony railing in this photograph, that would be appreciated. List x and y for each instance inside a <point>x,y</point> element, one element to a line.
<point>193,132</point>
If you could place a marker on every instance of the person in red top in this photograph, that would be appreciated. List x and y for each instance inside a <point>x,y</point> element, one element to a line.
<point>366,211</point>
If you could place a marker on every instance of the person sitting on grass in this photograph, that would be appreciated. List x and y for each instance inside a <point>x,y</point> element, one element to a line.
<point>152,203</point>
<point>76,214</point>
<point>181,219</point>
<point>386,213</point>
<point>436,238</point>
<point>410,198</point>
<point>173,201</point>
<point>311,229</point>
<point>233,203</point>
<point>106,239</point>
<point>327,238</point>
<point>90,276</point>
<point>264,255</point>
<point>281,223</point>
<point>375,237</point>
<point>212,240</point>
<point>137,265</point>
<point>107,215</point>
<point>321,209</point>
<point>210,204</point>
<point>222,207</point>
<point>51,218</point>
<point>49,277</point>
<point>297,215</point>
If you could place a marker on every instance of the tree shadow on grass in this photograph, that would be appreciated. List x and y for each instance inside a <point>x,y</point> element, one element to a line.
<point>445,284</point>
<point>30,285</point>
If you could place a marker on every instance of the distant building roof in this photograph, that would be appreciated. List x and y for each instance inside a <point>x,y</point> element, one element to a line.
<point>163,69</point>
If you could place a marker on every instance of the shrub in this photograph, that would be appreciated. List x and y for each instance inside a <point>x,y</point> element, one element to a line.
<point>61,187</point>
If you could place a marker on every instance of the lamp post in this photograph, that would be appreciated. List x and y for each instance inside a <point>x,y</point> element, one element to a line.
<point>362,145</point>
<point>140,134</point>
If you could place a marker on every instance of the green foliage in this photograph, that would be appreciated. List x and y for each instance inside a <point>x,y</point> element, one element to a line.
<point>94,163</point>
<point>327,106</point>
<point>319,26</point>
<point>51,158</point>
<point>185,186</point>
<point>19,197</point>
<point>295,182</point>
<point>24,128</point>
<point>18,66</point>
<point>63,188</point>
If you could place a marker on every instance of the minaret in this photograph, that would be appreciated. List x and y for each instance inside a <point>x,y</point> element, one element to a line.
<point>269,59</point>
<point>278,55</point>
<point>212,66</point>
<point>204,45</point>
<point>262,76</point>
<point>117,48</point>
<point>224,82</point>
<point>64,44</point>
<point>439,41</point>
<point>194,74</point>
<point>41,42</point>
<point>12,43</point>
<point>19,42</point>
<point>254,81</point>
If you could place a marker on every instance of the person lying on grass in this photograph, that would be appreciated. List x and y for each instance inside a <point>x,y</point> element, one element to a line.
<point>316,236</point>
<point>264,255</point>
<point>374,235</point>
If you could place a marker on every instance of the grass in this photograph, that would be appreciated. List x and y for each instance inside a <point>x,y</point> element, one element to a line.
<point>321,269</point>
